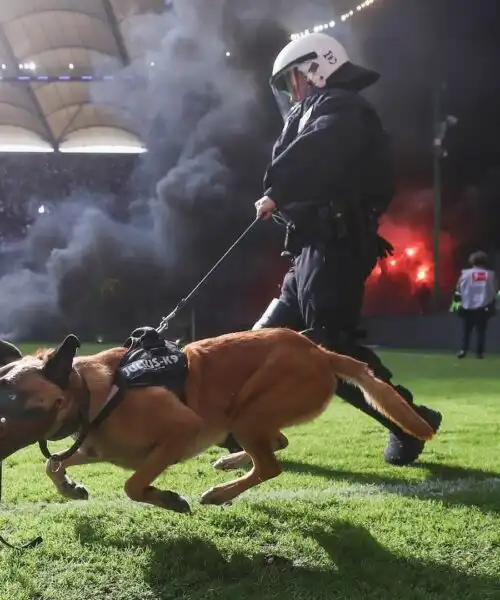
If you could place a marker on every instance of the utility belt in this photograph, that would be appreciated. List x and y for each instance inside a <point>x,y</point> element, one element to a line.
<point>326,224</point>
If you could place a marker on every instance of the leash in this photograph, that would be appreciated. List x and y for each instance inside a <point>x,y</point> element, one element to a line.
<point>33,543</point>
<point>166,320</point>
<point>86,426</point>
<point>60,457</point>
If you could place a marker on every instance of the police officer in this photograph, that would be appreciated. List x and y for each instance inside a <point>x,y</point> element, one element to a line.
<point>328,183</point>
<point>476,290</point>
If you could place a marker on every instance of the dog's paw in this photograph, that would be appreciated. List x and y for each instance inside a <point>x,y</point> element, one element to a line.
<point>175,502</point>
<point>223,464</point>
<point>232,462</point>
<point>74,491</point>
<point>215,496</point>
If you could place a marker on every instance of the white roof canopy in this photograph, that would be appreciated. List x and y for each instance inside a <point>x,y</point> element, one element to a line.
<point>51,39</point>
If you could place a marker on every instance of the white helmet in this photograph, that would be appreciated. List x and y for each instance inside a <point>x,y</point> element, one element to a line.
<point>309,61</point>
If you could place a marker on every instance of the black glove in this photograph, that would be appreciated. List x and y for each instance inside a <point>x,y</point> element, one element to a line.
<point>384,248</point>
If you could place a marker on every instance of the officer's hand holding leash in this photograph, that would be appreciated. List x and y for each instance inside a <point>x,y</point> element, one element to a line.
<point>265,207</point>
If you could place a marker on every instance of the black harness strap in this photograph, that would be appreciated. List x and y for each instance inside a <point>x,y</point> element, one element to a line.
<point>150,361</point>
<point>113,401</point>
<point>81,425</point>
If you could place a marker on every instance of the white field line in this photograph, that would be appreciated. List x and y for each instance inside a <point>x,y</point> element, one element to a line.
<point>424,489</point>
<point>421,489</point>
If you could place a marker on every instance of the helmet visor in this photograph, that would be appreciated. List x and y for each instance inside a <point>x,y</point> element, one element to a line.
<point>289,87</point>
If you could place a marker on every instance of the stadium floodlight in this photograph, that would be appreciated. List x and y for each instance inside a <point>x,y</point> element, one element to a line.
<point>103,149</point>
<point>325,26</point>
<point>25,148</point>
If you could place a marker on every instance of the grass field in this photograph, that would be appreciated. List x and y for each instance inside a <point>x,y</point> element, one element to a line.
<point>337,524</point>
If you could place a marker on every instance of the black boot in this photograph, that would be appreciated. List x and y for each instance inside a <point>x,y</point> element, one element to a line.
<point>402,448</point>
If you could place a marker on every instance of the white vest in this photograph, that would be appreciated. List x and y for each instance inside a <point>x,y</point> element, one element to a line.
<point>477,287</point>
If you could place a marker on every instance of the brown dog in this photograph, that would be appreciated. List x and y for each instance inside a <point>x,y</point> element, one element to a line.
<point>252,384</point>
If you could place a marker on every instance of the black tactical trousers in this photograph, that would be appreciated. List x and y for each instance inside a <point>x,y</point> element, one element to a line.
<point>325,287</point>
<point>323,293</point>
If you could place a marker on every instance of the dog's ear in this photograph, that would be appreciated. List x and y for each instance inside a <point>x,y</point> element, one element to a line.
<point>8,353</point>
<point>59,364</point>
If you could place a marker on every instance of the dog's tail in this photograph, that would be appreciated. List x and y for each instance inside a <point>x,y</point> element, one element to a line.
<point>381,396</point>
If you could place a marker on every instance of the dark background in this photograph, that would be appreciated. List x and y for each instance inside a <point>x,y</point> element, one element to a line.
<point>415,44</point>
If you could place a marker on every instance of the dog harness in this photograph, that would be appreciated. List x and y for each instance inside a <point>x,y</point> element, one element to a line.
<point>149,361</point>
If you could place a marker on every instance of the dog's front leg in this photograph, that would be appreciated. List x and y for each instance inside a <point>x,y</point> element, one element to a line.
<point>139,488</point>
<point>179,441</point>
<point>65,485</point>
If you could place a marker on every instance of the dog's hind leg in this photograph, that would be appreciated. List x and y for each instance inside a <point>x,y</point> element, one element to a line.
<point>230,462</point>
<point>259,448</point>
<point>238,460</point>
<point>301,394</point>
<point>64,484</point>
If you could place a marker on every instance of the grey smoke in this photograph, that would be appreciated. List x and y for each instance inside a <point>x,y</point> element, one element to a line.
<point>293,15</point>
<point>192,109</point>
<point>77,237</point>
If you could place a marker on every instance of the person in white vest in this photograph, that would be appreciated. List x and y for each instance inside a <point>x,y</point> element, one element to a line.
<point>477,289</point>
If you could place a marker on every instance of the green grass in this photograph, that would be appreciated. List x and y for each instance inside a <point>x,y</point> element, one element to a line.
<point>338,523</point>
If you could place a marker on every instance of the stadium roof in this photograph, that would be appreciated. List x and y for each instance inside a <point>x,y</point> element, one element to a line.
<point>48,50</point>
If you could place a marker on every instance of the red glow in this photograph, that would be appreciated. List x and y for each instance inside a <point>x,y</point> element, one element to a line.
<point>405,279</point>
<point>422,274</point>
<point>412,258</point>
